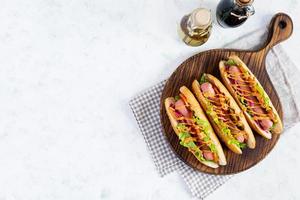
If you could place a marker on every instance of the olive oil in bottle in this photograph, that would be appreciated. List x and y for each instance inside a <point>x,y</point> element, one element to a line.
<point>195,28</point>
<point>233,13</point>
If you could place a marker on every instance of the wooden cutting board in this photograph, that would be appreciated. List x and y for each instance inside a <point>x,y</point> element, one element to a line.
<point>281,27</point>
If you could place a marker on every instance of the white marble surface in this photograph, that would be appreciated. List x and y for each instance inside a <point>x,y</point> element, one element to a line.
<point>67,72</point>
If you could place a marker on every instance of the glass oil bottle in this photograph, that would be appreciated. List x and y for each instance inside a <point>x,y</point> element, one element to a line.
<point>195,28</point>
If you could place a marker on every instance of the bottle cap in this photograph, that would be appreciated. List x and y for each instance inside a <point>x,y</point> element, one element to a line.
<point>200,18</point>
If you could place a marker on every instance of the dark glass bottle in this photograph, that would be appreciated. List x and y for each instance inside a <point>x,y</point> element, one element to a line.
<point>233,13</point>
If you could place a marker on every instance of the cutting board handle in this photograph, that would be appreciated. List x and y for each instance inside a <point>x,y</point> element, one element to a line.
<point>280,29</point>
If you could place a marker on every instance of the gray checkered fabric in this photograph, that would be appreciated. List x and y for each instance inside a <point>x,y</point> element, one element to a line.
<point>146,105</point>
<point>201,184</point>
<point>146,110</point>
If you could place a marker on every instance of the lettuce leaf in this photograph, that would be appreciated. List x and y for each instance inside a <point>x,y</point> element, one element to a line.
<point>201,122</point>
<point>272,127</point>
<point>226,130</point>
<point>213,147</point>
<point>199,155</point>
<point>230,62</point>
<point>206,139</point>
<point>205,126</point>
<point>183,135</point>
<point>239,144</point>
<point>203,79</point>
<point>210,111</point>
<point>242,100</point>
<point>181,128</point>
<point>263,95</point>
<point>189,144</point>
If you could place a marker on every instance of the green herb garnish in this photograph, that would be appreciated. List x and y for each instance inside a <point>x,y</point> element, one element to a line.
<point>177,98</point>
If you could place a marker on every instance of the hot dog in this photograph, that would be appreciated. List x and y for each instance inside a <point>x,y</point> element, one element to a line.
<point>224,114</point>
<point>251,97</point>
<point>193,129</point>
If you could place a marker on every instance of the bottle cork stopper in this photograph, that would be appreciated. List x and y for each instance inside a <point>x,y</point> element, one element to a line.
<point>200,18</point>
<point>244,2</point>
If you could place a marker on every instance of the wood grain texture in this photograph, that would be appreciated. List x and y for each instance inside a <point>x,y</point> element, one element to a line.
<point>281,27</point>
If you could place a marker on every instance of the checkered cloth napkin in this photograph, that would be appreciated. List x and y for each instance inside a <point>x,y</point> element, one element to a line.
<point>145,107</point>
